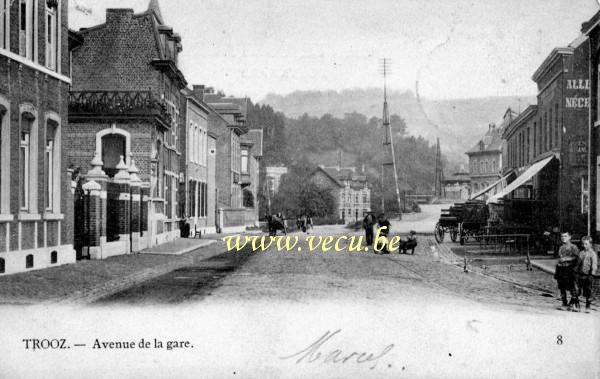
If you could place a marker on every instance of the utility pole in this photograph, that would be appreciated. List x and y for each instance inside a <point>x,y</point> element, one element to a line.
<point>440,191</point>
<point>389,155</point>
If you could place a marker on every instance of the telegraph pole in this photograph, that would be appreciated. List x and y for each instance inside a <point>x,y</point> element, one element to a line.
<point>389,155</point>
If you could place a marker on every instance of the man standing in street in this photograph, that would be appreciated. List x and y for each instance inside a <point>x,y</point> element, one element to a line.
<point>368,224</point>
<point>585,270</point>
<point>385,227</point>
<point>565,274</point>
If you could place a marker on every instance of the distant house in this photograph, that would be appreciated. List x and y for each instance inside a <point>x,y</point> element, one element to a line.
<point>351,191</point>
<point>485,158</point>
<point>458,185</point>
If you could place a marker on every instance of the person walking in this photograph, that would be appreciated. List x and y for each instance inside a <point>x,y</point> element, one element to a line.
<point>565,274</point>
<point>585,270</point>
<point>368,224</point>
<point>385,227</point>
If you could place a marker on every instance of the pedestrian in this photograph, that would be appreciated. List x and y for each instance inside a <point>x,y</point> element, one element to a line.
<point>384,227</point>
<point>368,224</point>
<point>309,223</point>
<point>586,268</point>
<point>565,274</point>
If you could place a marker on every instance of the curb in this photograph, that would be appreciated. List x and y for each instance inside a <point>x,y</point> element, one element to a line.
<point>184,251</point>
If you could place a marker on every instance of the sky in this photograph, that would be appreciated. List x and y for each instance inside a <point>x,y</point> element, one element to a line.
<point>452,49</point>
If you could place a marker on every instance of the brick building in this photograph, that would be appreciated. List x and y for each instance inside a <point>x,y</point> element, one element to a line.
<point>124,120</point>
<point>485,159</point>
<point>36,202</point>
<point>227,123</point>
<point>350,190</point>
<point>591,29</point>
<point>194,191</point>
<point>547,145</point>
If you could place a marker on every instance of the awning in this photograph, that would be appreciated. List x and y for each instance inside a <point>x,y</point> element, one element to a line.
<point>533,170</point>
<point>490,187</point>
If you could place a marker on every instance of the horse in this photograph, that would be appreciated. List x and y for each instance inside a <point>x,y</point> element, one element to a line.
<point>276,223</point>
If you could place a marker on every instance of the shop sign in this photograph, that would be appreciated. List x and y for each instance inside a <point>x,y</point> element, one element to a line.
<point>581,98</point>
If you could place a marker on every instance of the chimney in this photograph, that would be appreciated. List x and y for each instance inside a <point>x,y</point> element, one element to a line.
<point>116,16</point>
<point>199,90</point>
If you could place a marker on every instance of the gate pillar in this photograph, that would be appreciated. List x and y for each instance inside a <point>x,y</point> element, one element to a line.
<point>122,180</point>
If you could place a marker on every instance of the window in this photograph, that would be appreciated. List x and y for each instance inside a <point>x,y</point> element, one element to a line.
<point>556,126</point>
<point>550,130</point>
<point>527,157</point>
<point>534,144</point>
<point>2,266</point>
<point>494,166</point>
<point>24,173</point>
<point>4,157</point>
<point>244,161</point>
<point>27,26</point>
<point>52,41</point>
<point>4,24</point>
<point>52,166</point>
<point>29,261</point>
<point>54,257</point>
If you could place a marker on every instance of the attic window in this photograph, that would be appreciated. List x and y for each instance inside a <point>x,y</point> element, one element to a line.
<point>52,3</point>
<point>481,145</point>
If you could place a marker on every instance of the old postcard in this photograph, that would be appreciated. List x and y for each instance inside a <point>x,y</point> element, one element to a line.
<point>299,189</point>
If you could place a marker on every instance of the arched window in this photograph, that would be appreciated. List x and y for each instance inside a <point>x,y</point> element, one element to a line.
<point>113,148</point>
<point>52,164</point>
<point>28,160</point>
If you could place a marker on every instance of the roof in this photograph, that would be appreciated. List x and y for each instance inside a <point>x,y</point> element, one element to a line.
<point>550,60</point>
<point>155,8</point>
<point>344,174</point>
<point>522,118</point>
<point>492,139</point>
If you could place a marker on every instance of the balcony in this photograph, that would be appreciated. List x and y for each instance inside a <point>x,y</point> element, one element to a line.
<point>117,104</point>
<point>245,179</point>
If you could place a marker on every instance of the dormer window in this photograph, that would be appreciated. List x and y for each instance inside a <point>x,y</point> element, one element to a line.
<point>481,146</point>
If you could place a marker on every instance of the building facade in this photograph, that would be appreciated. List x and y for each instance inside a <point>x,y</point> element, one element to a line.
<point>547,145</point>
<point>227,122</point>
<point>457,186</point>
<point>251,155</point>
<point>194,191</point>
<point>351,191</point>
<point>591,29</point>
<point>124,121</point>
<point>36,202</point>
<point>485,158</point>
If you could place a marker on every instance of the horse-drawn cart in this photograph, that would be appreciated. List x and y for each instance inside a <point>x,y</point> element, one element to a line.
<point>462,221</point>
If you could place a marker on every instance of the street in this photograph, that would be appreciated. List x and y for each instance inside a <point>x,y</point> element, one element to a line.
<point>355,276</point>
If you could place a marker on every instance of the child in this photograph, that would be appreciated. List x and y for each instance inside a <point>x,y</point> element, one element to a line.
<point>585,269</point>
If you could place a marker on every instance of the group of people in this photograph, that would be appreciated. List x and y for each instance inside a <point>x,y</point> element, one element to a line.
<point>574,272</point>
<point>304,223</point>
<point>382,223</point>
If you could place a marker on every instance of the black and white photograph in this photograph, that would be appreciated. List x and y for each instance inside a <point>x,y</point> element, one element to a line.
<point>299,189</point>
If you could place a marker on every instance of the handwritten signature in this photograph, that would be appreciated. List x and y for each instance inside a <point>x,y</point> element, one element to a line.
<point>316,353</point>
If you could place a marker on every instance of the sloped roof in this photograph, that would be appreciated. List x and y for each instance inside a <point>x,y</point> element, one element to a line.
<point>492,139</point>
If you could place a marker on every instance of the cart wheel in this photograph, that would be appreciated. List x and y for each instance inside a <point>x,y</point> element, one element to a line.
<point>453,234</point>
<point>439,233</point>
